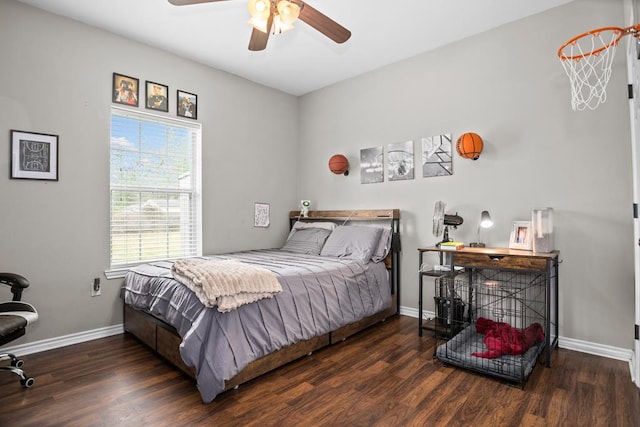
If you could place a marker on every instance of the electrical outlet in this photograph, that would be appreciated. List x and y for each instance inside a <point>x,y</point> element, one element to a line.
<point>96,288</point>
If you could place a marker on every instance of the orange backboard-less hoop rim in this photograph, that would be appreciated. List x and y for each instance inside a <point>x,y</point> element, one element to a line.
<point>587,60</point>
<point>617,35</point>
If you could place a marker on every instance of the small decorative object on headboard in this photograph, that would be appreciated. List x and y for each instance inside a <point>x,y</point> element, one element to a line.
<point>304,207</point>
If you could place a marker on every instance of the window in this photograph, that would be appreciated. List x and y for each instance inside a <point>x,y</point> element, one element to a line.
<point>155,189</point>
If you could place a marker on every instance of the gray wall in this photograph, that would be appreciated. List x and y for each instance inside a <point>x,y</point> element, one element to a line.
<point>56,78</point>
<point>509,86</point>
<point>506,84</point>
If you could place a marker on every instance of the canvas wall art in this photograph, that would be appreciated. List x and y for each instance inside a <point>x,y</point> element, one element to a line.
<point>400,165</point>
<point>436,156</point>
<point>371,165</point>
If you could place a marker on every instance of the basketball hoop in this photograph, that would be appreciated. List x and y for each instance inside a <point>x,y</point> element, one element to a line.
<point>587,60</point>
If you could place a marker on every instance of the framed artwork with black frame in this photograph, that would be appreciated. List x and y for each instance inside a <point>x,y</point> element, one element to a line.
<point>157,96</point>
<point>187,104</point>
<point>34,155</point>
<point>125,90</point>
<point>521,235</point>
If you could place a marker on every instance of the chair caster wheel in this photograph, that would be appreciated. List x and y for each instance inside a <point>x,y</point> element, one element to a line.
<point>28,382</point>
<point>17,363</point>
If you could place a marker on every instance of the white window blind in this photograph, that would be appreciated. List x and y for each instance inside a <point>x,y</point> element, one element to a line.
<point>155,188</point>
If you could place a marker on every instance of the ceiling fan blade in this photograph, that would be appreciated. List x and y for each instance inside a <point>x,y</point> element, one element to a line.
<point>259,39</point>
<point>188,2</point>
<point>324,24</point>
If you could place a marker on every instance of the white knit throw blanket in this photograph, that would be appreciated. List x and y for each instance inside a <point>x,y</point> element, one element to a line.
<point>227,284</point>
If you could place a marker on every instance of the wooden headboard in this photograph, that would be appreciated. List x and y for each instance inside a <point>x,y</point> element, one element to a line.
<point>375,214</point>
<point>384,215</point>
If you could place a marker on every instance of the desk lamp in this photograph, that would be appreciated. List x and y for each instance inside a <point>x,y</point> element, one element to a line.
<point>485,222</point>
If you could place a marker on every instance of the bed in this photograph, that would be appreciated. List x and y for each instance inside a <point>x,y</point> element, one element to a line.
<point>334,283</point>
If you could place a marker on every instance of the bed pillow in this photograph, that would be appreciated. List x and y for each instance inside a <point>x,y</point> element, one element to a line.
<point>384,245</point>
<point>298,225</point>
<point>353,242</point>
<point>307,241</point>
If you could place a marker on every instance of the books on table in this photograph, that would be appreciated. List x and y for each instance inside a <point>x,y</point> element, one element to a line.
<point>451,246</point>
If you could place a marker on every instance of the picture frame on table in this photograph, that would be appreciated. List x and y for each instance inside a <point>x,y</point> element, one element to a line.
<point>187,105</point>
<point>521,235</point>
<point>125,90</point>
<point>157,96</point>
<point>34,156</point>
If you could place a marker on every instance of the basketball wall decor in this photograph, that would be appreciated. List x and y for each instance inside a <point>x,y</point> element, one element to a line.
<point>469,145</point>
<point>339,164</point>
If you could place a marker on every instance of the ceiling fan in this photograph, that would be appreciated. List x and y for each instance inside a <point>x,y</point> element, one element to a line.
<point>277,16</point>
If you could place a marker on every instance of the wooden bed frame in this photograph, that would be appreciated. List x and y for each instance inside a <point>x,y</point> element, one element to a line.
<point>165,341</point>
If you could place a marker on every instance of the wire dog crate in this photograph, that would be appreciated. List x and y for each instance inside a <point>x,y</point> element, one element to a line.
<point>496,325</point>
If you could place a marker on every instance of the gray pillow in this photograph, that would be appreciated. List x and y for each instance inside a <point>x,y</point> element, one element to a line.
<point>384,245</point>
<point>299,225</point>
<point>307,241</point>
<point>353,242</point>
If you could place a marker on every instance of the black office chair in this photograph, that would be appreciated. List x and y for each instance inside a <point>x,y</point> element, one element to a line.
<point>15,315</point>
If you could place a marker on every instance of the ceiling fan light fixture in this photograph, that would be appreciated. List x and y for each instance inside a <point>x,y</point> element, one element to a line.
<point>280,26</point>
<point>259,9</point>
<point>288,11</point>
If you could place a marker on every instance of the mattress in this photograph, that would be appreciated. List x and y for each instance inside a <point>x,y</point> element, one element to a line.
<point>458,352</point>
<point>320,295</point>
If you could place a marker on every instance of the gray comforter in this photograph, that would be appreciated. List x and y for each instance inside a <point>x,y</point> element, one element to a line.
<point>320,294</point>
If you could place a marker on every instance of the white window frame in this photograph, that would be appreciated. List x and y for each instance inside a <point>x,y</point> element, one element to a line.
<point>120,270</point>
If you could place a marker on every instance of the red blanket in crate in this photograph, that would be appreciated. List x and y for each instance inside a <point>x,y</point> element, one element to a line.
<point>501,338</point>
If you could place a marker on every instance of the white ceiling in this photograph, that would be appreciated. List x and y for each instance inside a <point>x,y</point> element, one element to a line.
<point>301,60</point>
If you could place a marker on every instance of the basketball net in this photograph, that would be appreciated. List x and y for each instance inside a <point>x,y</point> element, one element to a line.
<point>587,60</point>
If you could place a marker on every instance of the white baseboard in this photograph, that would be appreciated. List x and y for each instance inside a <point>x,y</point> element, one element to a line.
<point>566,343</point>
<point>602,350</point>
<point>413,312</point>
<point>63,341</point>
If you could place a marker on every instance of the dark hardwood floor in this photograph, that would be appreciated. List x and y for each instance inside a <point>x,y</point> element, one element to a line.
<point>384,376</point>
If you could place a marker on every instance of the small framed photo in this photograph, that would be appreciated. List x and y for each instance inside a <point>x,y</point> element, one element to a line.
<point>521,235</point>
<point>261,214</point>
<point>125,90</point>
<point>34,156</point>
<point>187,104</point>
<point>157,96</point>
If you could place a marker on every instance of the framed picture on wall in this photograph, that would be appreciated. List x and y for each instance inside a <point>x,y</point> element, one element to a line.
<point>34,155</point>
<point>371,165</point>
<point>521,235</point>
<point>157,96</point>
<point>400,161</point>
<point>125,90</point>
<point>261,214</point>
<point>436,156</point>
<point>187,104</point>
